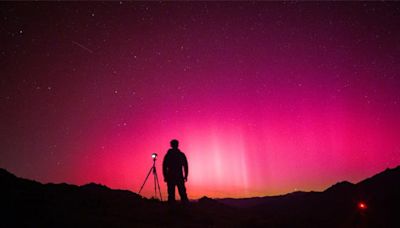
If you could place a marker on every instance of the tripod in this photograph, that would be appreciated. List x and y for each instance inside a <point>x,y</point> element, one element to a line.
<point>156,183</point>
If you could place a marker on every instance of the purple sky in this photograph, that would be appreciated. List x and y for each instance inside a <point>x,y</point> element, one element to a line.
<point>265,98</point>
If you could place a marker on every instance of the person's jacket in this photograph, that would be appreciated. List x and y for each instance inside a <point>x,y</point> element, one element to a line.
<point>173,163</point>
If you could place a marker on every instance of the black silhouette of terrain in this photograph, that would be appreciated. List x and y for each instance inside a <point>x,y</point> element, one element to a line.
<point>26,203</point>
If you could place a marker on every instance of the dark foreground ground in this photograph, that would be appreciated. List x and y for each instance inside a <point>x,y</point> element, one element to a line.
<point>26,203</point>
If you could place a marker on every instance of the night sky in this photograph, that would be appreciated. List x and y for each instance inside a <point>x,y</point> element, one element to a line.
<point>265,98</point>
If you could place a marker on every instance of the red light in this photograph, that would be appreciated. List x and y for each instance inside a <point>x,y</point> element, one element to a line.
<point>362,205</point>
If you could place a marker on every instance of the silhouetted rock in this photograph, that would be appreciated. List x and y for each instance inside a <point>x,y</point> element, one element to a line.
<point>207,201</point>
<point>95,187</point>
<point>343,186</point>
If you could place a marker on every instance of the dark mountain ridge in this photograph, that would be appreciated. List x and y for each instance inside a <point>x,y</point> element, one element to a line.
<point>376,182</point>
<point>336,206</point>
<point>29,203</point>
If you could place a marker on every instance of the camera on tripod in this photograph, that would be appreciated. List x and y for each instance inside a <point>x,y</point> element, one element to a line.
<point>156,182</point>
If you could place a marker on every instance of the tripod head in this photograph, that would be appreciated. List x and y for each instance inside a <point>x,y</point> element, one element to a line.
<point>154,156</point>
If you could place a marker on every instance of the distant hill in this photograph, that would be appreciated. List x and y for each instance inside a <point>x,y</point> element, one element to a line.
<point>27,203</point>
<point>336,206</point>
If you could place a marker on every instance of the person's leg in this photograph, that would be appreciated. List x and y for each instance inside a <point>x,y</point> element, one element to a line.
<point>171,191</point>
<point>182,191</point>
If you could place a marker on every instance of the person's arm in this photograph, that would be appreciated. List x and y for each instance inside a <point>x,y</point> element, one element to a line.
<point>185,167</point>
<point>165,168</point>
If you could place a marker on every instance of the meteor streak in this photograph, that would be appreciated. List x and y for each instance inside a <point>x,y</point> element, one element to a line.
<point>83,47</point>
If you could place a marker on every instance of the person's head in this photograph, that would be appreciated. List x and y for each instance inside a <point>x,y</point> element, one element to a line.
<point>174,144</point>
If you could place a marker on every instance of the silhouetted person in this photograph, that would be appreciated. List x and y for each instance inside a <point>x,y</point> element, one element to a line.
<point>174,162</point>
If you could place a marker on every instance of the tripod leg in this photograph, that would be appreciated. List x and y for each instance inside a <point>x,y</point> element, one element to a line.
<point>158,184</point>
<point>151,169</point>
<point>155,189</point>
